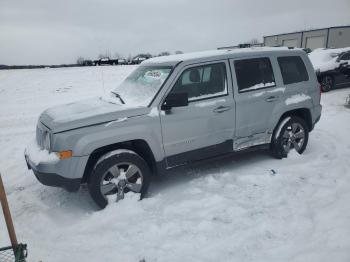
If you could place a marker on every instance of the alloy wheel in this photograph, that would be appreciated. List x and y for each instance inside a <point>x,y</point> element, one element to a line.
<point>120,179</point>
<point>293,137</point>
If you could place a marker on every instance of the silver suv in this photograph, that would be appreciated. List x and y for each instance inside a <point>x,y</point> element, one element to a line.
<point>174,110</point>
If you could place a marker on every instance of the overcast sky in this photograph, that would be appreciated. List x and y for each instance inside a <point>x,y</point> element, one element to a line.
<point>51,32</point>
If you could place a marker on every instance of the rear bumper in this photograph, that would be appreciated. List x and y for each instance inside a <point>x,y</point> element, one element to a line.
<point>316,116</point>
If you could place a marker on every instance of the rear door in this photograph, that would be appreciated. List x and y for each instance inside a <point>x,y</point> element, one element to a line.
<point>256,96</point>
<point>205,127</point>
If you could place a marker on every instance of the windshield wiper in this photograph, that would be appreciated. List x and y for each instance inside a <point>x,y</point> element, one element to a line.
<point>117,95</point>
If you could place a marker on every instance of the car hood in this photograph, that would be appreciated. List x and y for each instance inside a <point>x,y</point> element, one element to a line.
<point>87,112</point>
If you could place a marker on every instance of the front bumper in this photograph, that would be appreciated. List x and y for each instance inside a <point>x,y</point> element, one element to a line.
<point>55,180</point>
<point>66,173</point>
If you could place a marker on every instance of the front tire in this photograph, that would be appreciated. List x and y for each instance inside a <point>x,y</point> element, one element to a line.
<point>327,83</point>
<point>291,133</point>
<point>116,174</point>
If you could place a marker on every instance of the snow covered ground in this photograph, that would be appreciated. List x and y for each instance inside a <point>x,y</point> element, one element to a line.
<point>235,209</point>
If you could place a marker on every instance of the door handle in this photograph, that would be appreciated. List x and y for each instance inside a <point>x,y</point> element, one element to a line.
<point>271,98</point>
<point>221,109</point>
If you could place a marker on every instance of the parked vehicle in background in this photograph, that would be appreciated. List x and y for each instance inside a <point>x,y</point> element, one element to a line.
<point>174,110</point>
<point>88,63</point>
<point>106,61</point>
<point>140,58</point>
<point>332,67</point>
<point>122,61</point>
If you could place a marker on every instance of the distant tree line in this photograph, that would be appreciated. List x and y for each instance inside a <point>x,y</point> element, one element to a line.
<point>81,61</point>
<point>4,67</point>
<point>129,60</point>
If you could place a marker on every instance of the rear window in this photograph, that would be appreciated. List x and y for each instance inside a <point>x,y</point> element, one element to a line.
<point>293,69</point>
<point>253,74</point>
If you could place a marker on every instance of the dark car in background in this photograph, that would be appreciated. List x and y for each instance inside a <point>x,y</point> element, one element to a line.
<point>106,61</point>
<point>332,67</point>
<point>122,61</point>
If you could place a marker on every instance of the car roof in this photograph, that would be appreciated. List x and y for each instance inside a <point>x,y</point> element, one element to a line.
<point>217,54</point>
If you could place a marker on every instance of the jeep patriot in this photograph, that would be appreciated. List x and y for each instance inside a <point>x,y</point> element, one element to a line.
<point>174,110</point>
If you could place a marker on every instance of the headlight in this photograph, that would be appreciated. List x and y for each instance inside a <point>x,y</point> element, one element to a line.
<point>47,141</point>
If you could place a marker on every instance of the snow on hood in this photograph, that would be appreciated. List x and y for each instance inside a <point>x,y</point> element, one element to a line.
<point>325,59</point>
<point>87,112</point>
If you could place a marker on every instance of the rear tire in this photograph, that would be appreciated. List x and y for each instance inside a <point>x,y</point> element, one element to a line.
<point>110,176</point>
<point>289,134</point>
<point>327,83</point>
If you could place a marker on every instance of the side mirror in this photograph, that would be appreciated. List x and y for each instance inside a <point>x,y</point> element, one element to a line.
<point>175,100</point>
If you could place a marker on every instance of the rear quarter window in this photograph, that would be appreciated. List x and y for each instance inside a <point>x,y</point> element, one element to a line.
<point>293,69</point>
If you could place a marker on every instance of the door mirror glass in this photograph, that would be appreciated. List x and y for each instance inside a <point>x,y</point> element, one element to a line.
<point>175,100</point>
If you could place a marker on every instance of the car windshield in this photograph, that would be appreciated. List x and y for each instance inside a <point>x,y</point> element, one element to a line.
<point>139,88</point>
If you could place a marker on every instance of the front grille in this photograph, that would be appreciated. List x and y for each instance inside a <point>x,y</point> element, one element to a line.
<point>40,137</point>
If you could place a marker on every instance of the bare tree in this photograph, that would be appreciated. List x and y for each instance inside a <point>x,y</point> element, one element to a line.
<point>165,53</point>
<point>129,58</point>
<point>146,55</point>
<point>105,54</point>
<point>80,60</point>
<point>254,41</point>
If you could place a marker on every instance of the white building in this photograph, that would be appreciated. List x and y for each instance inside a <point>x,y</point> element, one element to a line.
<point>332,37</point>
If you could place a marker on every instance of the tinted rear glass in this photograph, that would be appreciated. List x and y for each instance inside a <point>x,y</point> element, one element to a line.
<point>255,73</point>
<point>293,69</point>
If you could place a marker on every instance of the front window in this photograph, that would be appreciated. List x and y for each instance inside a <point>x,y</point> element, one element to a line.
<point>140,87</point>
<point>202,82</point>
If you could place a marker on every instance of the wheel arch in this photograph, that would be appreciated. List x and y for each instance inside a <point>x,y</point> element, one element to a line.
<point>139,146</point>
<point>303,113</point>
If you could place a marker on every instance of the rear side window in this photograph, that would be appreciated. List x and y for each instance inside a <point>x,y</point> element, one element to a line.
<point>202,81</point>
<point>255,73</point>
<point>293,69</point>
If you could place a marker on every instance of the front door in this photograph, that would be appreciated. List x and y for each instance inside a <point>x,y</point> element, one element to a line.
<point>205,127</point>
